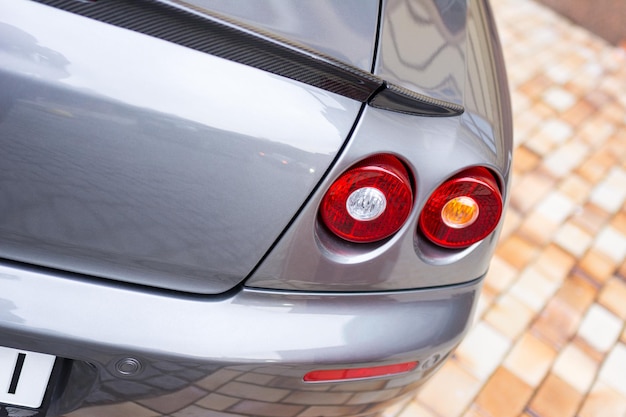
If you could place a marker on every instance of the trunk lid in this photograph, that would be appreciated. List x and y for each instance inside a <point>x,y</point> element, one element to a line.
<point>130,158</point>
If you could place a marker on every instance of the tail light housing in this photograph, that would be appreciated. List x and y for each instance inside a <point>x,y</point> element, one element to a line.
<point>463,210</point>
<point>370,201</point>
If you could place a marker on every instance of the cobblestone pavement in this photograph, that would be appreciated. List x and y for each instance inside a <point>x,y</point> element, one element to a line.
<point>549,339</point>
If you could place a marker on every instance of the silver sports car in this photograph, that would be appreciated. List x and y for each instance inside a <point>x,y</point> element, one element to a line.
<point>276,208</point>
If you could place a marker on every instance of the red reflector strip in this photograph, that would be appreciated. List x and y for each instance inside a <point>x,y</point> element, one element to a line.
<point>330,375</point>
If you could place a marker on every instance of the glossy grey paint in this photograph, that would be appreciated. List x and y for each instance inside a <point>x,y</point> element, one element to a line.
<point>345,30</point>
<point>423,46</point>
<point>286,333</point>
<point>309,258</point>
<point>259,339</point>
<point>133,159</point>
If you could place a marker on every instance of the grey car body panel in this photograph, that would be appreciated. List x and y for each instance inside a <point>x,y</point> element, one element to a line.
<point>422,46</point>
<point>273,333</point>
<point>327,304</point>
<point>345,30</point>
<point>176,172</point>
<point>309,258</point>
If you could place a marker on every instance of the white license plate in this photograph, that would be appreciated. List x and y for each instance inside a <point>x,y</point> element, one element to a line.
<point>24,377</point>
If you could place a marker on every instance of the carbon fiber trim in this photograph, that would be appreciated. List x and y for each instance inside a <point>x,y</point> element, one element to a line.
<point>402,100</point>
<point>179,23</point>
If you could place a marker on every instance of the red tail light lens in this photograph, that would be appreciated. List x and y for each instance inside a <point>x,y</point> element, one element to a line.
<point>463,210</point>
<point>332,375</point>
<point>370,201</point>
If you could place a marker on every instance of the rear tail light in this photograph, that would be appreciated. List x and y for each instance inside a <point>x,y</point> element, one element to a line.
<point>463,210</point>
<point>370,201</point>
<point>351,374</point>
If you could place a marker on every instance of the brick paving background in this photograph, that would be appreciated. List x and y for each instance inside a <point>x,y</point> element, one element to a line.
<point>549,339</point>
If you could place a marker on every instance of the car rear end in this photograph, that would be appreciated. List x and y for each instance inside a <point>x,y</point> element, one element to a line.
<point>202,232</point>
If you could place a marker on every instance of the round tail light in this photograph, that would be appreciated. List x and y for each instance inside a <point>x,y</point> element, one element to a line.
<point>463,210</point>
<point>370,201</point>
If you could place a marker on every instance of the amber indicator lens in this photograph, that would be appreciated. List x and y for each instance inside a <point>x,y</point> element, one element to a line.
<point>460,212</point>
<point>463,210</point>
<point>370,201</point>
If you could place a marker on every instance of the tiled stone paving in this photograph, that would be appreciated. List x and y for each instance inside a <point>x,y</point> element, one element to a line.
<point>549,339</point>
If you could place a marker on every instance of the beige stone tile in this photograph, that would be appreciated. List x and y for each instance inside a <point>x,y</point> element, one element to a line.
<point>505,395</point>
<point>591,218</point>
<point>554,263</point>
<point>482,350</point>
<point>525,160</point>
<point>579,112</point>
<point>556,207</point>
<point>517,252</point>
<point>486,299</point>
<point>509,316</point>
<point>616,146</point>
<point>597,266</point>
<point>576,368</point>
<point>557,323</point>
<point>525,124</point>
<point>565,159</point>
<point>621,272</point>
<point>619,222</point>
<point>536,86</point>
<point>550,129</point>
<point>611,243</point>
<point>578,292</point>
<point>414,409</point>
<point>530,359</point>
<point>531,189</point>
<point>512,219</point>
<point>603,401</point>
<point>613,371</point>
<point>520,102</point>
<point>613,297</point>
<point>595,131</point>
<point>559,98</point>
<point>551,134</point>
<point>475,411</point>
<point>600,328</point>
<point>537,229</point>
<point>500,275</point>
<point>610,193</point>
<point>573,239</point>
<point>601,98</point>
<point>594,169</point>
<point>533,288</point>
<point>576,188</point>
<point>555,398</point>
<point>450,391</point>
<point>614,112</point>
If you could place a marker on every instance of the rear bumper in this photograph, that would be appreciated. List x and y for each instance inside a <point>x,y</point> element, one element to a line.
<point>242,354</point>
